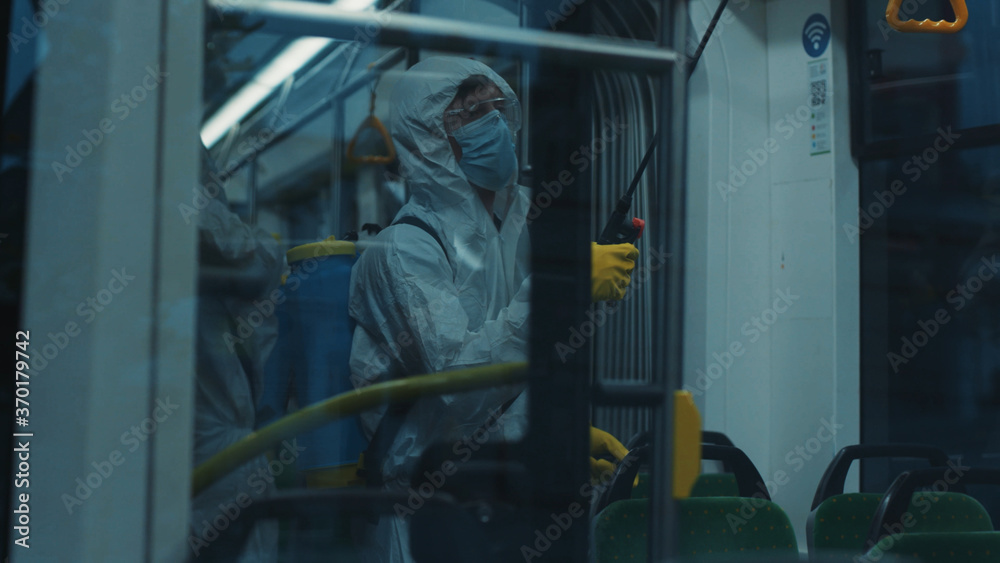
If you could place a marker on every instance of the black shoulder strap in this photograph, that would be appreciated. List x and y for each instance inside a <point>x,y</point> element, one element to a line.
<point>420,224</point>
<point>392,421</point>
<point>385,434</point>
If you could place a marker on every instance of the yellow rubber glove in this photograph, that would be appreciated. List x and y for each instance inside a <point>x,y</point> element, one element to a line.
<point>611,270</point>
<point>602,443</point>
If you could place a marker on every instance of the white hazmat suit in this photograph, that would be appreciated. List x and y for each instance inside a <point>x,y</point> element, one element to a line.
<point>240,267</point>
<point>420,310</point>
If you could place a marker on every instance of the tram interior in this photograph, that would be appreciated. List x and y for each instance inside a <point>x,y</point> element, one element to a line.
<point>804,365</point>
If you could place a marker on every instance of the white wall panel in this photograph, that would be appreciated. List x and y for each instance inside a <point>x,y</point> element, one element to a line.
<point>764,209</point>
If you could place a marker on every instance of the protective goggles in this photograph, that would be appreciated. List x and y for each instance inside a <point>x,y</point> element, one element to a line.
<point>509,109</point>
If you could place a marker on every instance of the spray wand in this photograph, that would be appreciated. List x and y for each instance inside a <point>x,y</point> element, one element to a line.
<point>620,229</point>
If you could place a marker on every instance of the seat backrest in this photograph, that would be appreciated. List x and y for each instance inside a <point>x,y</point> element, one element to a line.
<point>716,485</point>
<point>739,477</point>
<point>832,482</point>
<point>717,528</point>
<point>621,531</point>
<point>842,522</point>
<point>948,512</point>
<point>954,547</point>
<point>901,509</point>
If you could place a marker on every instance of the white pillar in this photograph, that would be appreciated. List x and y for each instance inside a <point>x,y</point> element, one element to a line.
<point>771,273</point>
<point>110,281</point>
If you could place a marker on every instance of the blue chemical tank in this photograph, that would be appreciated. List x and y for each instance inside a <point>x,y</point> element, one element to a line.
<point>278,368</point>
<point>318,289</point>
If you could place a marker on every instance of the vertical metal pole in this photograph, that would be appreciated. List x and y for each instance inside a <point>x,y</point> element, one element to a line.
<point>668,293</point>
<point>336,167</point>
<point>413,53</point>
<point>525,156</point>
<point>252,191</point>
<point>557,444</point>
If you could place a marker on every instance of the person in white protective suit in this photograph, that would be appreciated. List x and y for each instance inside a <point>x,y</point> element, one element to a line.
<point>239,265</point>
<point>425,304</point>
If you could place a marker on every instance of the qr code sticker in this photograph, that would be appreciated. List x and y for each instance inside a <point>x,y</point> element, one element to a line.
<point>819,93</point>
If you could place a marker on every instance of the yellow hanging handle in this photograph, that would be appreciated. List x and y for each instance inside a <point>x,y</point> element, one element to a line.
<point>374,123</point>
<point>927,26</point>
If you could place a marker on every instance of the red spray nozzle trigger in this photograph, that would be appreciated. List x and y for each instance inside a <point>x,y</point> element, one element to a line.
<point>638,224</point>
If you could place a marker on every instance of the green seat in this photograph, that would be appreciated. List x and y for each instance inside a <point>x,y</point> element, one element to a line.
<point>841,523</point>
<point>955,547</point>
<point>716,485</point>
<point>709,528</point>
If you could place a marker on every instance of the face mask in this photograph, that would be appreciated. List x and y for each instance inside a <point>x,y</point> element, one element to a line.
<point>488,158</point>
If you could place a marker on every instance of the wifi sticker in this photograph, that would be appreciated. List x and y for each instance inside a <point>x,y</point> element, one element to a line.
<point>816,35</point>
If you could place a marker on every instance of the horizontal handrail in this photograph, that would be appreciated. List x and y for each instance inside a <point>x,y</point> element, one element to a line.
<point>348,404</point>
<point>441,34</point>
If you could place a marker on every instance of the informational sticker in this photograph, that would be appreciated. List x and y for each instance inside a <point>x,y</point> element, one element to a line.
<point>819,104</point>
<point>816,35</point>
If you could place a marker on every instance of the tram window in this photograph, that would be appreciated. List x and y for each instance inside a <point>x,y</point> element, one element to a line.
<point>296,178</point>
<point>267,217</point>
<point>914,83</point>
<point>930,352</point>
<point>929,211</point>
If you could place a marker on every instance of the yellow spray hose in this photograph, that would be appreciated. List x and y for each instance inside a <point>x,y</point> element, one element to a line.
<point>349,404</point>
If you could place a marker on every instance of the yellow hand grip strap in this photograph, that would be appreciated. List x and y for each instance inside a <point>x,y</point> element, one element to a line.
<point>927,26</point>
<point>374,123</point>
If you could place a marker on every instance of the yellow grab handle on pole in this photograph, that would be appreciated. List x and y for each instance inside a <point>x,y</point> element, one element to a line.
<point>687,443</point>
<point>927,26</point>
<point>348,404</point>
